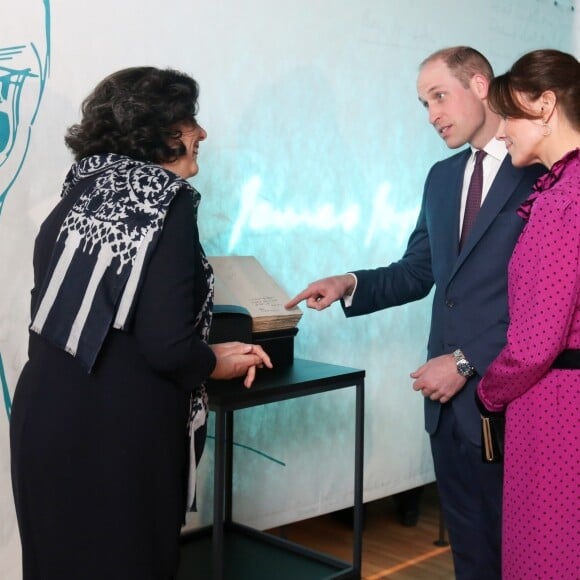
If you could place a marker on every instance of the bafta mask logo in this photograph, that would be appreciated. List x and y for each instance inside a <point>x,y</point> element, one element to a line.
<point>12,82</point>
<point>24,66</point>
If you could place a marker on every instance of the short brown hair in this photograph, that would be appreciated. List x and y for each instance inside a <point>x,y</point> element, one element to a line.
<point>533,74</point>
<point>464,62</point>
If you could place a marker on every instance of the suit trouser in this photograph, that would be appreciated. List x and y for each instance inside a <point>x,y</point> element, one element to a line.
<point>471,494</point>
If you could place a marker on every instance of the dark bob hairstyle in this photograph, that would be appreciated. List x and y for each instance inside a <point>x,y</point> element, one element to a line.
<point>136,112</point>
<point>533,74</point>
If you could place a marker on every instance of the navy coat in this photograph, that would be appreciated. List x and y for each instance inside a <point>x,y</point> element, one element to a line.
<point>470,308</point>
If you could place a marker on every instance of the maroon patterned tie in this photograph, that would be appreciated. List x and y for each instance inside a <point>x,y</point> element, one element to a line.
<point>473,202</point>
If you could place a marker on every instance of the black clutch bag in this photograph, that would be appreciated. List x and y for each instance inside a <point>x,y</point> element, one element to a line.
<point>492,433</point>
<point>492,437</point>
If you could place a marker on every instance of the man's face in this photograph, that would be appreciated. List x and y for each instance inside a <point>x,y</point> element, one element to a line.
<point>457,113</point>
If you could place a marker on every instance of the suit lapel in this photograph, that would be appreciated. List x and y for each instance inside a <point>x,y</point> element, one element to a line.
<point>450,210</point>
<point>499,193</point>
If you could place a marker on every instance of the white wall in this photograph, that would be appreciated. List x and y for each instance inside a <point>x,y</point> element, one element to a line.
<point>314,125</point>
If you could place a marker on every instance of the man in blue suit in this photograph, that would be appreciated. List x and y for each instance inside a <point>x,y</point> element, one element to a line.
<point>470,312</point>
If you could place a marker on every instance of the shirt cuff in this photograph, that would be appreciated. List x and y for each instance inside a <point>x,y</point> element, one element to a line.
<point>347,300</point>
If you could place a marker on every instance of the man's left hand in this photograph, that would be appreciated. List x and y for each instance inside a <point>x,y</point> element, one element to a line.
<point>438,378</point>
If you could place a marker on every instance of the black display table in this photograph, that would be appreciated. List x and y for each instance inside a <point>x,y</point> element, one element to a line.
<point>229,550</point>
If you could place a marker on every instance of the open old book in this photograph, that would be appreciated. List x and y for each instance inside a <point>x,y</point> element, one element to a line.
<point>242,281</point>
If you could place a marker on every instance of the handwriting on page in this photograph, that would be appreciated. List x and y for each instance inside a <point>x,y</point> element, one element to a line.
<point>265,304</point>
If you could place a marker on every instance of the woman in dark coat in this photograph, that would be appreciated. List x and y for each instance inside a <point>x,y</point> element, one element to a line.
<point>110,406</point>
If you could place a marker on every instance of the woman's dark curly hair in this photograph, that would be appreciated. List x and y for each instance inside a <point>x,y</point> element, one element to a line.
<point>136,112</point>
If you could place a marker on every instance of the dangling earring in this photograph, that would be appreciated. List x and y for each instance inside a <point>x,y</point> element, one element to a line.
<point>546,129</point>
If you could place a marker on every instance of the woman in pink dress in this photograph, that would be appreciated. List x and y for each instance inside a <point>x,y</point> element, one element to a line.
<point>535,379</point>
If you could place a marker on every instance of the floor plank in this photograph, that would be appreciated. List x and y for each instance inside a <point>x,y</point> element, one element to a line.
<point>390,550</point>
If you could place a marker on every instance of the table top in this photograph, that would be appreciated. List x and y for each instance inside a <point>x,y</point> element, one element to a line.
<point>303,377</point>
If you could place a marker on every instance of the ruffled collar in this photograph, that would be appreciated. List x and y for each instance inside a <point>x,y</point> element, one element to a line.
<point>547,181</point>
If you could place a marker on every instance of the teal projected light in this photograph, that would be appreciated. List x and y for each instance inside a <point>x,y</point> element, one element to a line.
<point>24,67</point>
<point>257,214</point>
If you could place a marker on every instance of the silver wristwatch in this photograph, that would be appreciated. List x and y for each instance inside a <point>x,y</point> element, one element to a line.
<point>464,367</point>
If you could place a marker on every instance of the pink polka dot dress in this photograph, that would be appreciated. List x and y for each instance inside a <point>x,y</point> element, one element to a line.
<point>541,514</point>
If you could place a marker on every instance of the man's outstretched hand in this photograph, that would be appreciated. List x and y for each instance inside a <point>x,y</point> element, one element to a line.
<point>322,293</point>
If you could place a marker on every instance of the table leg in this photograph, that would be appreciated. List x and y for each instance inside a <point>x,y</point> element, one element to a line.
<point>358,477</point>
<point>218,496</point>
<point>229,466</point>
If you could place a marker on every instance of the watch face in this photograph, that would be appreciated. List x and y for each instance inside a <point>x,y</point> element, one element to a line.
<point>464,368</point>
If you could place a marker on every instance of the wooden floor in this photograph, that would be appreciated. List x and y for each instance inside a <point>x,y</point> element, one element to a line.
<point>390,550</point>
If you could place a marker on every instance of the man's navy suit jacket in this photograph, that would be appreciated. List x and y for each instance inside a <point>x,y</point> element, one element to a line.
<point>470,308</point>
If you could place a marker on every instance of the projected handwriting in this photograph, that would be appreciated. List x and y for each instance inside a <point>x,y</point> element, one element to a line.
<point>24,67</point>
<point>258,214</point>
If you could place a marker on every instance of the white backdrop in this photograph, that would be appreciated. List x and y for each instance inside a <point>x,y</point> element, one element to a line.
<point>314,163</point>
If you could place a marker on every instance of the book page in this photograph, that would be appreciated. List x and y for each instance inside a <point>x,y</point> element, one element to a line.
<point>242,281</point>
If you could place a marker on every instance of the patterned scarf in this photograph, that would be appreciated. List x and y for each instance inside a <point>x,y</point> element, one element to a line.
<point>101,253</point>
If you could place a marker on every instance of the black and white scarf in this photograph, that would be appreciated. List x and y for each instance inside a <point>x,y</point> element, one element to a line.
<point>99,259</point>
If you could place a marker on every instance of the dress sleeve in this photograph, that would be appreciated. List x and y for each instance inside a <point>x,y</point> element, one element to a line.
<point>543,296</point>
<point>164,323</point>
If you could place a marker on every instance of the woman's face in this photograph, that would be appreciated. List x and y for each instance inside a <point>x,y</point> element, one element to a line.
<point>523,138</point>
<point>186,166</point>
